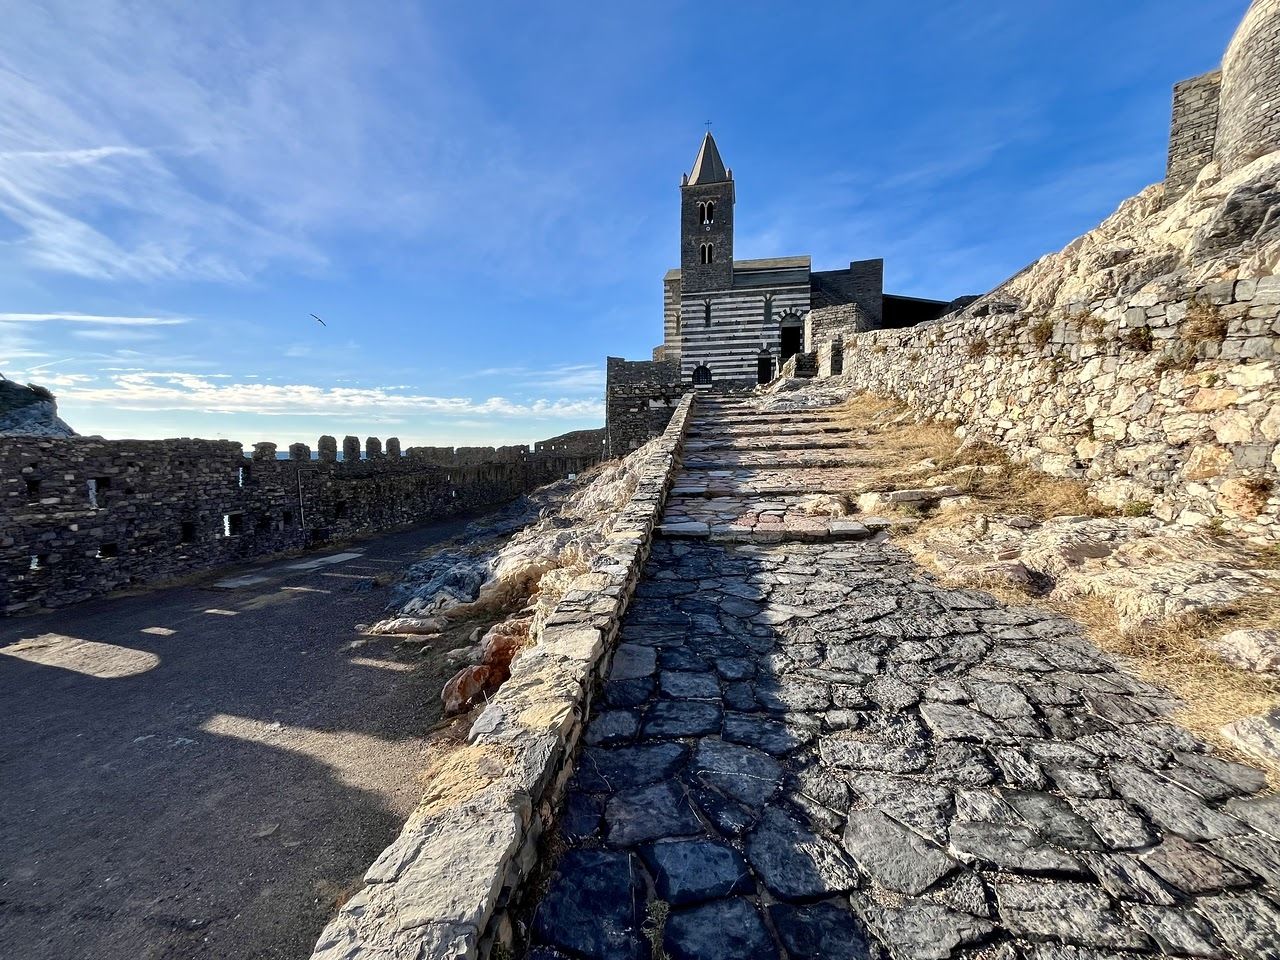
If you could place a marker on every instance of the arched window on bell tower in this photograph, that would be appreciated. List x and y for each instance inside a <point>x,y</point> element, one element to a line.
<point>707,253</point>
<point>709,214</point>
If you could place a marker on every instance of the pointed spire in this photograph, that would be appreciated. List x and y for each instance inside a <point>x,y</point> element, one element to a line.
<point>708,168</point>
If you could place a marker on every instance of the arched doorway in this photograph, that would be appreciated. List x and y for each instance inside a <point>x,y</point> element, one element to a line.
<point>791,335</point>
<point>702,375</point>
<point>764,367</point>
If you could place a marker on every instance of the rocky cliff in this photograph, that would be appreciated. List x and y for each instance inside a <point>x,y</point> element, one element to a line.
<point>30,411</point>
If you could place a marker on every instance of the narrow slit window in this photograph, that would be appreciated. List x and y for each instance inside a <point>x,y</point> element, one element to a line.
<point>33,490</point>
<point>39,562</point>
<point>340,510</point>
<point>232,524</point>
<point>97,486</point>
<point>242,476</point>
<point>187,533</point>
<point>706,313</point>
<point>108,551</point>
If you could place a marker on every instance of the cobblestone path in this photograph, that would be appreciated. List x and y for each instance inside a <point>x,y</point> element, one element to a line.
<point>807,748</point>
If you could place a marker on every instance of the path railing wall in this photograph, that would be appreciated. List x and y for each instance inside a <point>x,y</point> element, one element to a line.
<point>445,887</point>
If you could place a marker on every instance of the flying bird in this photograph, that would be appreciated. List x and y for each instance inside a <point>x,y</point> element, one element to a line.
<point>319,321</point>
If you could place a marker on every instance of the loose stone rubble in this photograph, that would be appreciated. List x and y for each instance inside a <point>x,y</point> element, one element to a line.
<point>809,748</point>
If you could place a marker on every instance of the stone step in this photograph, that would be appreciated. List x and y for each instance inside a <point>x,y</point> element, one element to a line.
<point>824,529</point>
<point>767,460</point>
<point>768,429</point>
<point>831,442</point>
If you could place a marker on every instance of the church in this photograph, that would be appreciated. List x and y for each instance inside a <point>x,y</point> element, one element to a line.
<point>737,321</point>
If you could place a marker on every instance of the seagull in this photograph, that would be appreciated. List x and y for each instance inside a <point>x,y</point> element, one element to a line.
<point>319,321</point>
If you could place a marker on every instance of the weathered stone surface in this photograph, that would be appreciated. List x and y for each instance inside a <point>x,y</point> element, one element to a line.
<point>594,906</point>
<point>772,736</point>
<point>602,769</point>
<point>1009,847</point>
<point>679,718</point>
<point>893,855</point>
<point>1070,912</point>
<point>795,863</point>
<point>721,930</point>
<point>950,721</point>
<point>649,813</point>
<point>743,773</point>
<point>691,871</point>
<point>1179,931</point>
<point>1250,649</point>
<point>1248,922</point>
<point>918,930</point>
<point>1192,867</point>
<point>688,685</point>
<point>1171,807</point>
<point>820,930</point>
<point>1050,817</point>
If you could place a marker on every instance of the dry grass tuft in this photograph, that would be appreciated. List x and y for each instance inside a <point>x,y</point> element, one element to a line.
<point>977,348</point>
<point>1204,323</point>
<point>1041,332</point>
<point>1175,657</point>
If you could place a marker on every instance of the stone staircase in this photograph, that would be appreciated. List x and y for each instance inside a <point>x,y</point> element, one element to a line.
<point>748,475</point>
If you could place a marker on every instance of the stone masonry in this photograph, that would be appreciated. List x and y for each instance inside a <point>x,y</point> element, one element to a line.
<point>82,516</point>
<point>1154,398</point>
<point>808,748</point>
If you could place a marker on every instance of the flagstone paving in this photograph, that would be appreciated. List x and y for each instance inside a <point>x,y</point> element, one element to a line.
<point>812,749</point>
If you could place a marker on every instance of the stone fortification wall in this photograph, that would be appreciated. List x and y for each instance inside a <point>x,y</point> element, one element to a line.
<point>445,889</point>
<point>30,411</point>
<point>576,441</point>
<point>1231,115</point>
<point>1162,399</point>
<point>828,329</point>
<point>640,396</point>
<point>80,516</point>
<point>1249,112</point>
<point>1193,132</point>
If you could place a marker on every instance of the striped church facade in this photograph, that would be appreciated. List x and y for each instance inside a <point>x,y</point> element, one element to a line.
<point>737,334</point>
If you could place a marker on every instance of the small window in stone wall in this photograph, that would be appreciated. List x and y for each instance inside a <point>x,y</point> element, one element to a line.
<point>287,518</point>
<point>340,510</point>
<point>188,531</point>
<point>232,524</point>
<point>242,476</point>
<point>262,524</point>
<point>33,490</point>
<point>706,313</point>
<point>97,487</point>
<point>108,551</point>
<point>39,562</point>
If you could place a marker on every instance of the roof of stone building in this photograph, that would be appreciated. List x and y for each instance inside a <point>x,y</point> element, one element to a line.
<point>749,266</point>
<point>708,168</point>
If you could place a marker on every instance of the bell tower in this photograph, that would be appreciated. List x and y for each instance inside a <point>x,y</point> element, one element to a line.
<point>706,223</point>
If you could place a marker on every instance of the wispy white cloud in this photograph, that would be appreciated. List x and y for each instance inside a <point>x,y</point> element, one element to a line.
<point>192,392</point>
<point>105,320</point>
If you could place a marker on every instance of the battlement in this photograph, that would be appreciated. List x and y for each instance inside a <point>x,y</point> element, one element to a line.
<point>82,516</point>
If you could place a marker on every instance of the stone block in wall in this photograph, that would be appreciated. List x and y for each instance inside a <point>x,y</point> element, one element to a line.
<point>350,448</point>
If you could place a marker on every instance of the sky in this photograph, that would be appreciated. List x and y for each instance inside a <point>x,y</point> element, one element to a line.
<point>480,199</point>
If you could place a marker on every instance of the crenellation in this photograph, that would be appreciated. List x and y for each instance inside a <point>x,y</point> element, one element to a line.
<point>327,448</point>
<point>165,508</point>
<point>393,447</point>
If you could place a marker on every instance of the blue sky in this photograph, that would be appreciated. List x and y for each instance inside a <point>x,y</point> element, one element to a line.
<point>480,199</point>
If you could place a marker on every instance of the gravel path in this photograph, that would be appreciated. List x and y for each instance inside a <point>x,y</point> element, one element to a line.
<point>808,748</point>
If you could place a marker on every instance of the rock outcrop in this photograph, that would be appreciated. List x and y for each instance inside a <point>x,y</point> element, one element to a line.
<point>30,411</point>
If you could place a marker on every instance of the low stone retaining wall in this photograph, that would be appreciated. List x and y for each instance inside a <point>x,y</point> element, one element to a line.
<point>444,887</point>
<point>1165,401</point>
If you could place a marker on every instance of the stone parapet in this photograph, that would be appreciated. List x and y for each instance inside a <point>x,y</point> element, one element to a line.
<point>81,516</point>
<point>1161,400</point>
<point>445,887</point>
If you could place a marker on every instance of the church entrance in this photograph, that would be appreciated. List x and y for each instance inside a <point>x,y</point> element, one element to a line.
<point>764,367</point>
<point>792,339</point>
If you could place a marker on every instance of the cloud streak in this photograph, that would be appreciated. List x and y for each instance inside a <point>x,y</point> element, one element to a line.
<point>179,391</point>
